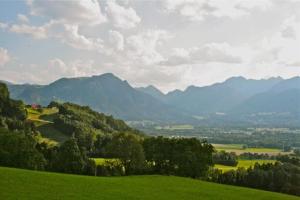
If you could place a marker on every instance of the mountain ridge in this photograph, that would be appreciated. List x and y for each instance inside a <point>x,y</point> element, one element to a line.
<point>236,96</point>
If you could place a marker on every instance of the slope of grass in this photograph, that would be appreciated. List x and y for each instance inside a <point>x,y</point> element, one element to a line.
<point>44,124</point>
<point>24,184</point>
<point>243,163</point>
<point>37,117</point>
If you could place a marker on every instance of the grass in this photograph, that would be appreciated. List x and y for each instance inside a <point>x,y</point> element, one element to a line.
<point>44,124</point>
<point>48,131</point>
<point>103,161</point>
<point>238,149</point>
<point>31,185</point>
<point>243,163</point>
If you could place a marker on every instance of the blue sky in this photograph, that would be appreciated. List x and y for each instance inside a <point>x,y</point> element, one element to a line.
<point>167,43</point>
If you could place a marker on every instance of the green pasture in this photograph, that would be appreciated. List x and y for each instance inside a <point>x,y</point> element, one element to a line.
<point>33,185</point>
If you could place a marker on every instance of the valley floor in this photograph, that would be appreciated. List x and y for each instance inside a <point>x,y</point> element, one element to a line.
<point>26,184</point>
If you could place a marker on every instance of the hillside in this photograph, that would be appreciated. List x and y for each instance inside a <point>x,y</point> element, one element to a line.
<point>60,121</point>
<point>25,184</point>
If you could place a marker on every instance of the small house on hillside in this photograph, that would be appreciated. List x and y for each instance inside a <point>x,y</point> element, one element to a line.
<point>35,106</point>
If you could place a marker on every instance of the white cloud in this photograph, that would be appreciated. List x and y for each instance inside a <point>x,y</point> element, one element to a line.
<point>290,28</point>
<point>216,52</point>
<point>197,10</point>
<point>73,68</point>
<point>3,25</point>
<point>74,12</point>
<point>66,33</point>
<point>116,40</point>
<point>283,46</point>
<point>69,34</point>
<point>23,18</point>
<point>38,32</point>
<point>142,47</point>
<point>211,52</point>
<point>178,56</point>
<point>122,17</point>
<point>4,56</point>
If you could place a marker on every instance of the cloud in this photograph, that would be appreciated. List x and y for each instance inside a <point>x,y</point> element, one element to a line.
<point>197,10</point>
<point>290,28</point>
<point>69,34</point>
<point>23,18</point>
<point>216,52</point>
<point>121,17</point>
<point>38,32</point>
<point>116,40</point>
<point>3,25</point>
<point>86,12</point>
<point>211,52</point>
<point>142,47</point>
<point>66,33</point>
<point>283,46</point>
<point>4,56</point>
<point>73,68</point>
<point>178,56</point>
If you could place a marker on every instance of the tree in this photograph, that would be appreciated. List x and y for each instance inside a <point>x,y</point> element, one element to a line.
<point>129,150</point>
<point>225,158</point>
<point>19,150</point>
<point>69,158</point>
<point>178,156</point>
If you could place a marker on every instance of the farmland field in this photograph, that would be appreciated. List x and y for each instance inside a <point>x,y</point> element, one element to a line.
<point>102,161</point>
<point>238,149</point>
<point>243,163</point>
<point>175,127</point>
<point>25,184</point>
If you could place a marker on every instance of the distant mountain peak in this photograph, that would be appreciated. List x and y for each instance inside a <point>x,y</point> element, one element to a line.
<point>152,91</point>
<point>111,75</point>
<point>106,76</point>
<point>153,88</point>
<point>235,78</point>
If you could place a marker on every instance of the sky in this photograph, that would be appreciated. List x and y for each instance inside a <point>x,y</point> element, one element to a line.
<point>170,44</point>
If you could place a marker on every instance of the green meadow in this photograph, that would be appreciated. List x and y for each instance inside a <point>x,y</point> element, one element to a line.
<point>243,163</point>
<point>44,124</point>
<point>26,184</point>
<point>103,161</point>
<point>238,149</point>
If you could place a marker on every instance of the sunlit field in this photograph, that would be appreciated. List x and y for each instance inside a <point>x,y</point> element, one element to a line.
<point>25,184</point>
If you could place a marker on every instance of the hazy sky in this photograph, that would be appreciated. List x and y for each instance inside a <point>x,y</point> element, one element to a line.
<point>170,44</point>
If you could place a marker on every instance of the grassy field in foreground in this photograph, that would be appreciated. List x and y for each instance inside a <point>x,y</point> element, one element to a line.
<point>238,149</point>
<point>25,184</point>
<point>243,163</point>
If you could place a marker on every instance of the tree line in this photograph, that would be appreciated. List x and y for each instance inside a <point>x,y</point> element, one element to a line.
<point>279,177</point>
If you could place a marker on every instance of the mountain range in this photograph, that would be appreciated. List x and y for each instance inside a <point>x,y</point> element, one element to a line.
<point>273,101</point>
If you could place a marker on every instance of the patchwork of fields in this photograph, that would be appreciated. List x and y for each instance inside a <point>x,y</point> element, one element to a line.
<point>26,184</point>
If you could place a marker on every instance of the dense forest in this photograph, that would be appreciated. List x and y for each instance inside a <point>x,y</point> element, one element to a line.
<point>126,151</point>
